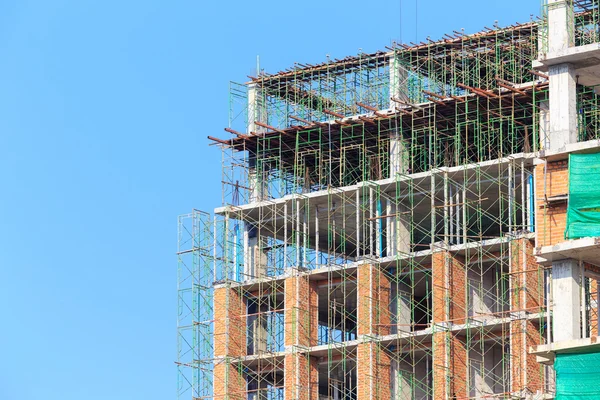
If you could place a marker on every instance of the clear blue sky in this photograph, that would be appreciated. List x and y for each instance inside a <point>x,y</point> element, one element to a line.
<point>104,111</point>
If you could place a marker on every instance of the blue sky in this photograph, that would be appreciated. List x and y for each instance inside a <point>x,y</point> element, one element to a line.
<point>104,111</point>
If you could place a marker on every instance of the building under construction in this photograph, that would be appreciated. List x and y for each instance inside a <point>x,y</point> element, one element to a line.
<point>402,224</point>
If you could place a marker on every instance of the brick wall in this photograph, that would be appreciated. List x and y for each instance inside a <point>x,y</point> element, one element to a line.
<point>230,322</point>
<point>301,377</point>
<point>449,288</point>
<point>230,341</point>
<point>374,296</point>
<point>373,363</point>
<point>594,307</point>
<point>449,366</point>
<point>229,382</point>
<point>551,221</point>
<point>527,278</point>
<point>526,372</point>
<point>301,311</point>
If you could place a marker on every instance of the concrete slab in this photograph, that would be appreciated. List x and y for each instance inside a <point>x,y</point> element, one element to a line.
<point>546,353</point>
<point>585,59</point>
<point>586,250</point>
<point>562,153</point>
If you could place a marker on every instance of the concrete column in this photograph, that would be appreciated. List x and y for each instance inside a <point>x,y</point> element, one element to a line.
<point>561,25</point>
<point>257,110</point>
<point>398,89</point>
<point>566,292</point>
<point>397,229</point>
<point>402,307</point>
<point>563,106</point>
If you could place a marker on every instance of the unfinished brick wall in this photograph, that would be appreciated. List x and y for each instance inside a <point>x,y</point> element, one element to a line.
<point>594,307</point>
<point>526,372</point>
<point>301,377</point>
<point>450,360</point>
<point>229,382</point>
<point>449,306</point>
<point>230,342</point>
<point>373,363</point>
<point>301,311</point>
<point>551,220</point>
<point>374,296</point>
<point>230,322</point>
<point>449,288</point>
<point>526,278</point>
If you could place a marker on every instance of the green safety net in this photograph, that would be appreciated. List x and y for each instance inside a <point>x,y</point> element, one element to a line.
<point>577,376</point>
<point>583,213</point>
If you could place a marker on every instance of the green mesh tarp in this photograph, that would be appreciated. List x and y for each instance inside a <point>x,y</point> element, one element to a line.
<point>583,213</point>
<point>577,376</point>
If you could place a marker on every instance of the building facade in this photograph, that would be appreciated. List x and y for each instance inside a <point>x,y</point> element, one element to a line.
<point>393,224</point>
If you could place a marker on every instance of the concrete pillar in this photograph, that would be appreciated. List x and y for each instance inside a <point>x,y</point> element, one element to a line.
<point>255,258</point>
<point>257,326</point>
<point>563,106</point>
<point>397,229</point>
<point>410,377</point>
<point>402,302</point>
<point>257,109</point>
<point>399,161</point>
<point>374,296</point>
<point>566,293</point>
<point>561,25</point>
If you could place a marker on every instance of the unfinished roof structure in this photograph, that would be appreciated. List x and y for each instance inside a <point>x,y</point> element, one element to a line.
<point>381,220</point>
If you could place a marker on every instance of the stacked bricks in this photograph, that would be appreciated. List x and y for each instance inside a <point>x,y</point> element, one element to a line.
<point>373,371</point>
<point>527,284</point>
<point>230,342</point>
<point>551,221</point>
<point>301,375</point>
<point>449,307</point>
<point>373,361</point>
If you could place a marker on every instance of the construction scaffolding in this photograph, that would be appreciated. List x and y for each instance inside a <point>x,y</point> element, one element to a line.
<point>376,238</point>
